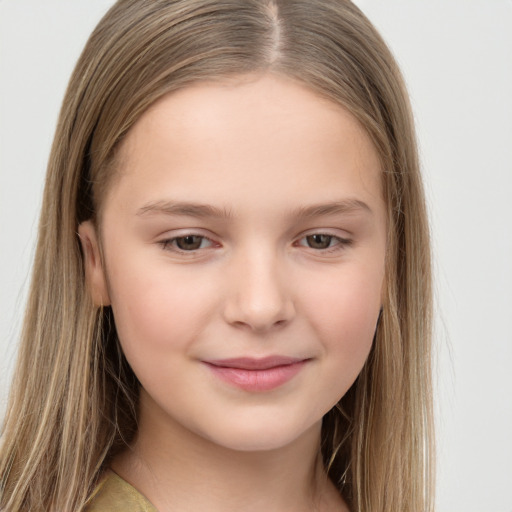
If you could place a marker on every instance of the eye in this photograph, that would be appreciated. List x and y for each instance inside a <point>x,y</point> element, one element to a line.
<point>187,243</point>
<point>319,241</point>
<point>322,242</point>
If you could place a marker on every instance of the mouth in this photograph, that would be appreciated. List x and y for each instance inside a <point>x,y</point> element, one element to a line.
<point>257,375</point>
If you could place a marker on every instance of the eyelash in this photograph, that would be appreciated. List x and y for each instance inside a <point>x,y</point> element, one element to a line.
<point>341,243</point>
<point>170,243</point>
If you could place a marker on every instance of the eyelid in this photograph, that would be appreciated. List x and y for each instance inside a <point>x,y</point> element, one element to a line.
<point>167,243</point>
<point>342,241</point>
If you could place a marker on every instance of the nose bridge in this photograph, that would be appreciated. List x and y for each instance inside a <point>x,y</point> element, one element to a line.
<point>259,295</point>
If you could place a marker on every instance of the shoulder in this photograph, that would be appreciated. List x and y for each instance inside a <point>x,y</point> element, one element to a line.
<point>113,494</point>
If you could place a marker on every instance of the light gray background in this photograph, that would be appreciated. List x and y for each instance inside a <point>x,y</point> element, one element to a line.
<point>457,59</point>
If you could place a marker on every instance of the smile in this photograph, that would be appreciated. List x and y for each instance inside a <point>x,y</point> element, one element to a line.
<point>257,374</point>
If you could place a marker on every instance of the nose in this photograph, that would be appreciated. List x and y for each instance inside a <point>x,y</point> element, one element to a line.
<point>259,297</point>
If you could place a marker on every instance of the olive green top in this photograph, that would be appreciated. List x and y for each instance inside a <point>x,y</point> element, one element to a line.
<point>113,494</point>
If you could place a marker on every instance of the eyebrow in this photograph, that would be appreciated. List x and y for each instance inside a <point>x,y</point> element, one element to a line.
<point>344,206</point>
<point>200,210</point>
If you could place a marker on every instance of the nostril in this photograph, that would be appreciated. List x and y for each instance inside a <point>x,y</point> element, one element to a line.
<point>254,325</point>
<point>258,300</point>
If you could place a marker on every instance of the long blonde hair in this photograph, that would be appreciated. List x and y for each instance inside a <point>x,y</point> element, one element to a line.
<point>73,402</point>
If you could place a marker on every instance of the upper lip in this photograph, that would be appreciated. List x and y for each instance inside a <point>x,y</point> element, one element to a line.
<point>252,363</point>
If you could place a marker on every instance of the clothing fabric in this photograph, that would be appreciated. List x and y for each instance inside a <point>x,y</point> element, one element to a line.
<point>113,494</point>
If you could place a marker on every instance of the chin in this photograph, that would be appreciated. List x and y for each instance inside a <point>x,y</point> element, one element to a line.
<point>259,437</point>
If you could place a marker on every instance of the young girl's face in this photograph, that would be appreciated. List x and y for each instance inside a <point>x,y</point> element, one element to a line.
<point>244,244</point>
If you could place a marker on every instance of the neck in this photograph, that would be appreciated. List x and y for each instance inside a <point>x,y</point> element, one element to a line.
<point>178,470</point>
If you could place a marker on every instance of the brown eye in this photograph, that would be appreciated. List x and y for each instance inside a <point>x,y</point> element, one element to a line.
<point>189,242</point>
<point>319,241</point>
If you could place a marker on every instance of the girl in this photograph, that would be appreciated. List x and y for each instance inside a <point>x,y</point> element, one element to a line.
<point>230,306</point>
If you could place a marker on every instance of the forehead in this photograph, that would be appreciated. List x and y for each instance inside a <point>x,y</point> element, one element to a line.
<point>254,135</point>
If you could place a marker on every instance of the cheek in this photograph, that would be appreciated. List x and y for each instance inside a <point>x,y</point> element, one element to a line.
<point>155,309</point>
<point>345,308</point>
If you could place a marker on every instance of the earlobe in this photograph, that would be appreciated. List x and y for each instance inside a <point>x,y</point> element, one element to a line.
<point>93,264</point>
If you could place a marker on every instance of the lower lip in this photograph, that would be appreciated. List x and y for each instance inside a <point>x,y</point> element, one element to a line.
<point>257,380</point>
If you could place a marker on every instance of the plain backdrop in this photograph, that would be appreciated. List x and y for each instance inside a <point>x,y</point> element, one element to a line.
<point>456,56</point>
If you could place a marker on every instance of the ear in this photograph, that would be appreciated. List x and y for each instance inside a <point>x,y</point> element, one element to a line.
<point>95,276</point>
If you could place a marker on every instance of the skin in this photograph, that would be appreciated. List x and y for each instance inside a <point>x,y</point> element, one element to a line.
<point>259,150</point>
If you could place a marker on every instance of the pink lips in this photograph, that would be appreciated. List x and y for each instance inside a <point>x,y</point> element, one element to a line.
<point>257,374</point>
